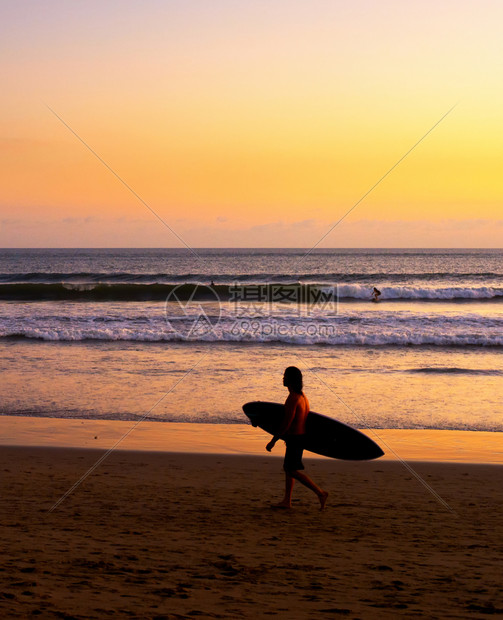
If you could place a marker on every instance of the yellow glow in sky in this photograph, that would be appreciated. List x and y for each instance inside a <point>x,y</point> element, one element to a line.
<point>251,124</point>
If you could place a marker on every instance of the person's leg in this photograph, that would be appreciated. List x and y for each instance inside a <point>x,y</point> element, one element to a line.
<point>287,500</point>
<point>307,482</point>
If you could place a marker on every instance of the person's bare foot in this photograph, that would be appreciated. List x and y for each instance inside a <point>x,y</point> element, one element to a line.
<point>323,499</point>
<point>281,506</point>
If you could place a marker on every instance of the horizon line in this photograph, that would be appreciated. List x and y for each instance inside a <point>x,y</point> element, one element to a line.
<point>250,248</point>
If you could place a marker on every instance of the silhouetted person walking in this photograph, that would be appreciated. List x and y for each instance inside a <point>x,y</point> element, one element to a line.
<point>293,431</point>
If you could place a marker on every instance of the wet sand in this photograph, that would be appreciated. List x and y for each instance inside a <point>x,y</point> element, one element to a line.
<point>165,535</point>
<point>419,445</point>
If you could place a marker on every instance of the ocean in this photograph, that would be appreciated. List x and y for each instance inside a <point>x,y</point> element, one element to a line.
<point>105,333</point>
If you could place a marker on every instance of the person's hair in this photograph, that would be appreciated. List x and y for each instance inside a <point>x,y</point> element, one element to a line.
<point>293,379</point>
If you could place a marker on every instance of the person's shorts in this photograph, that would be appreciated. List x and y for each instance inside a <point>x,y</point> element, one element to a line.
<point>293,454</point>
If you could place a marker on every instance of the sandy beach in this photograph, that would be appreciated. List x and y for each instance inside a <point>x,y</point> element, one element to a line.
<point>181,535</point>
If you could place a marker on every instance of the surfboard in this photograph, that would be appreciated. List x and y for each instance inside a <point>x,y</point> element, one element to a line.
<point>324,435</point>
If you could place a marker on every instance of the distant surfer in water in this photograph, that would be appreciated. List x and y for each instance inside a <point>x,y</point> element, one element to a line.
<point>376,293</point>
<point>293,430</point>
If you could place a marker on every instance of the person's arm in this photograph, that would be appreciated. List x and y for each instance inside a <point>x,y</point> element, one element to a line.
<point>290,406</point>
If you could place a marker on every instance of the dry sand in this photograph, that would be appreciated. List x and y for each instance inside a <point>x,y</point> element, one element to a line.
<point>162,535</point>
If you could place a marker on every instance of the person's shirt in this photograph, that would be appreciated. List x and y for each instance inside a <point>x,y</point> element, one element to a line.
<point>296,410</point>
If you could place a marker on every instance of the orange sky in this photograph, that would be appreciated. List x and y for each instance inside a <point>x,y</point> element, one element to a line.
<point>251,124</point>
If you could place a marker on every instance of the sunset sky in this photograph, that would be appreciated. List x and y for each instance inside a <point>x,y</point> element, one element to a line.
<point>251,123</point>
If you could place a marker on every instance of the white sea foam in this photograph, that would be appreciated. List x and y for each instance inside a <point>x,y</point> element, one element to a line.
<point>359,291</point>
<point>300,332</point>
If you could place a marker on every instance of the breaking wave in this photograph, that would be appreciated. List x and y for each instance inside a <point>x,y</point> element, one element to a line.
<point>259,291</point>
